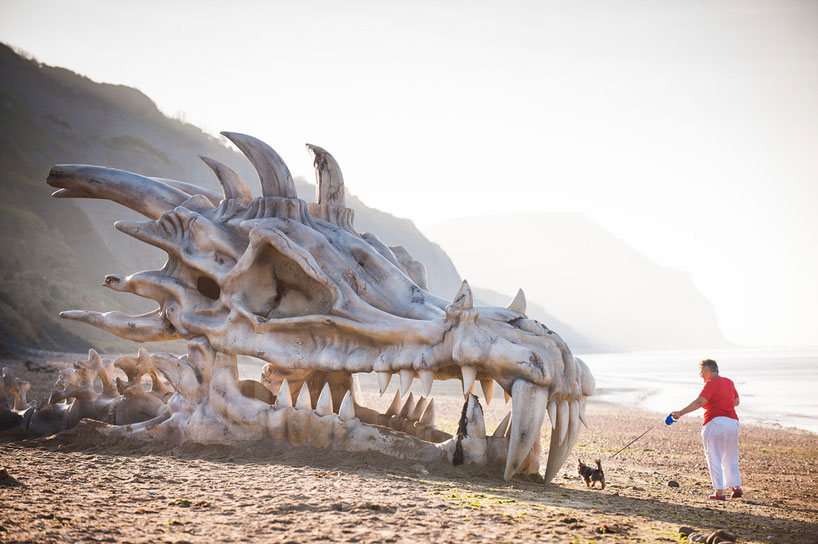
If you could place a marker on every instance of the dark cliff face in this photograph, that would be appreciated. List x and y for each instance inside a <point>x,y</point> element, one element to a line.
<point>54,254</point>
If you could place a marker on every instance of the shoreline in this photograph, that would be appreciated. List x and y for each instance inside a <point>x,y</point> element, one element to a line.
<point>80,486</point>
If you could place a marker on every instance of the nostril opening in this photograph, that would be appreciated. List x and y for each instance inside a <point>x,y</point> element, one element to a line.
<point>208,287</point>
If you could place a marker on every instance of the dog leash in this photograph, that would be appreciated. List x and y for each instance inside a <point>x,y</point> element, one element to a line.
<point>668,421</point>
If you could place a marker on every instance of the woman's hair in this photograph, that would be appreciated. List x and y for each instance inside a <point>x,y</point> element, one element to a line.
<point>711,364</point>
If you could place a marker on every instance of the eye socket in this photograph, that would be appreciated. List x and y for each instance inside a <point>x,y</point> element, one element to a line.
<point>208,288</point>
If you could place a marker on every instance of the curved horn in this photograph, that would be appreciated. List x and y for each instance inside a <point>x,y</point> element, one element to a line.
<point>232,185</point>
<point>330,181</point>
<point>139,193</point>
<point>275,177</point>
<point>191,189</point>
<point>149,327</point>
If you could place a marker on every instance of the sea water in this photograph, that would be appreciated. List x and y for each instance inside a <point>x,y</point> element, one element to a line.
<point>776,387</point>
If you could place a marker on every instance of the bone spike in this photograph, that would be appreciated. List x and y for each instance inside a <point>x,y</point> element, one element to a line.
<point>582,402</point>
<point>562,421</point>
<point>347,410</point>
<point>285,398</point>
<point>324,405</point>
<point>427,378</point>
<point>506,396</point>
<point>394,408</point>
<point>488,390</point>
<point>527,412</point>
<point>552,413</point>
<point>406,377</point>
<point>518,304</point>
<point>383,381</point>
<point>408,407</point>
<point>329,180</point>
<point>142,194</point>
<point>469,374</point>
<point>502,428</point>
<point>304,402</point>
<point>420,407</point>
<point>274,175</point>
<point>232,185</point>
<point>211,197</point>
<point>463,300</point>
<point>428,417</point>
<point>148,327</point>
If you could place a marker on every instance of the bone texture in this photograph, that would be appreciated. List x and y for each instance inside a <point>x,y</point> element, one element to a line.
<point>294,284</point>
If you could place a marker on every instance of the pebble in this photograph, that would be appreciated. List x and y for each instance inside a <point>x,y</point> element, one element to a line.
<point>673,483</point>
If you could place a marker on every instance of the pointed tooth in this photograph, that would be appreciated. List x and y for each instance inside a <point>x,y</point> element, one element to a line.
<point>552,413</point>
<point>324,405</point>
<point>475,423</point>
<point>582,402</point>
<point>356,388</point>
<point>408,407</point>
<point>420,407</point>
<point>304,402</point>
<point>573,423</point>
<point>502,428</point>
<point>285,398</point>
<point>407,375</point>
<point>469,374</point>
<point>507,396</point>
<point>527,413</point>
<point>383,381</point>
<point>347,410</point>
<point>427,378</point>
<point>488,389</point>
<point>518,304</point>
<point>563,414</point>
<point>428,417</point>
<point>394,408</point>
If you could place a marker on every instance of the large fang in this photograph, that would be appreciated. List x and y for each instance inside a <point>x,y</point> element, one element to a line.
<point>383,381</point>
<point>324,405</point>
<point>563,415</point>
<point>582,402</point>
<point>394,408</point>
<point>527,413</point>
<point>488,389</point>
<point>347,410</point>
<point>406,377</point>
<point>469,374</point>
<point>427,378</point>
<point>552,413</point>
<point>304,402</point>
<point>285,398</point>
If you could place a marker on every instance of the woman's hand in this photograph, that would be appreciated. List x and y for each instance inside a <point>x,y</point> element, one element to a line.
<point>675,415</point>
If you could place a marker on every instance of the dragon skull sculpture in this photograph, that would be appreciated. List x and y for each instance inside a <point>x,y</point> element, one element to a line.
<point>295,285</point>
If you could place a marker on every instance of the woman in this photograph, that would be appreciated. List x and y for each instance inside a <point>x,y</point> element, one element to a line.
<point>720,431</point>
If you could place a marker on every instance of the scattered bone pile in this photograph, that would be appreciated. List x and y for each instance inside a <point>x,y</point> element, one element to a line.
<point>295,285</point>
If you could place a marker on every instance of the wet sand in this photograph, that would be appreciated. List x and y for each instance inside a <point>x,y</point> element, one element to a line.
<point>80,487</point>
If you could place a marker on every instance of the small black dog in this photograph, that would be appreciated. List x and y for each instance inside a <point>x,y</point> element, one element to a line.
<point>591,475</point>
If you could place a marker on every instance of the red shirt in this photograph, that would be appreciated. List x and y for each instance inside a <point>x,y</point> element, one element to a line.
<point>721,398</point>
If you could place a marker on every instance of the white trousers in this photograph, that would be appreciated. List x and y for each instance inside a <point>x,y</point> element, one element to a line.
<point>720,439</point>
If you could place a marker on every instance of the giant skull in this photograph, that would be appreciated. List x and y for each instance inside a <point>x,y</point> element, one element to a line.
<point>295,285</point>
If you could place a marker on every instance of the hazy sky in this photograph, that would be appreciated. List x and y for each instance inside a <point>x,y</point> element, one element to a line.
<point>687,128</point>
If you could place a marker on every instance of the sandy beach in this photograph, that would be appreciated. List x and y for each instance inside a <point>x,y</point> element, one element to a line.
<point>79,486</point>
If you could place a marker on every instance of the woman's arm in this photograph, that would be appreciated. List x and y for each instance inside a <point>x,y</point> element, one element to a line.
<point>695,405</point>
